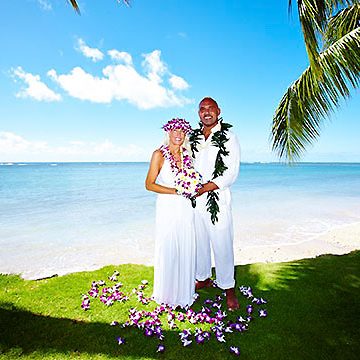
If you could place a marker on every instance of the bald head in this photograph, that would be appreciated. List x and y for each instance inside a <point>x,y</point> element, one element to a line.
<point>209,112</point>
<point>209,99</point>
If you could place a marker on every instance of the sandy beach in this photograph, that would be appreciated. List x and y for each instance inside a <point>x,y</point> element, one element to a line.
<point>338,241</point>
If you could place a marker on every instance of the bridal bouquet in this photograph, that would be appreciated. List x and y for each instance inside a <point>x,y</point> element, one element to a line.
<point>188,182</point>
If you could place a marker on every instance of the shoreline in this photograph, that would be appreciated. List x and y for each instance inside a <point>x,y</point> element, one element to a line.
<point>339,240</point>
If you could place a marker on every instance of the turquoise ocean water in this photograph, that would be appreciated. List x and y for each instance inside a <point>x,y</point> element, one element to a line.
<point>62,217</point>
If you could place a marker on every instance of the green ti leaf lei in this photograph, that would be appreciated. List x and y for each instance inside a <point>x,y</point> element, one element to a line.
<point>219,139</point>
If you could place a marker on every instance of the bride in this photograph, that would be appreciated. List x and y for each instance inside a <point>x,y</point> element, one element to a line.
<point>174,265</point>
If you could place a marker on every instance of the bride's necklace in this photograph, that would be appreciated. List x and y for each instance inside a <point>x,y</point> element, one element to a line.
<point>182,157</point>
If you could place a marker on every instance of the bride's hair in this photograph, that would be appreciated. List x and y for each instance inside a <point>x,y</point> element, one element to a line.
<point>186,143</point>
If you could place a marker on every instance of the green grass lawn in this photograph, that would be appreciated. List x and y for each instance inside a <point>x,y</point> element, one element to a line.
<point>313,313</point>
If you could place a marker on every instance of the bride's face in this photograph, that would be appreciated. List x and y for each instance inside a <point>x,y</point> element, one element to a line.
<point>176,137</point>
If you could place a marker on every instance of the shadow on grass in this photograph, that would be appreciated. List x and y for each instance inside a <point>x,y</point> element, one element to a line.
<point>24,333</point>
<point>313,314</point>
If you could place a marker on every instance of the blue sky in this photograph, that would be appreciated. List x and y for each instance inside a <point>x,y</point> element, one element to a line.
<point>98,87</point>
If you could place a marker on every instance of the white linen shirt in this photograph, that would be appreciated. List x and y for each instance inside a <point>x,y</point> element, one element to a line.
<point>205,162</point>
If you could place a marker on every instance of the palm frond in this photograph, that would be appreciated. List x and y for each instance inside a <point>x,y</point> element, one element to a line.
<point>342,23</point>
<point>75,6</point>
<point>314,16</point>
<point>311,98</point>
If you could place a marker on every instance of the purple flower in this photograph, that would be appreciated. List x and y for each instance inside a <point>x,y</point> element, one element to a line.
<point>215,304</point>
<point>160,348</point>
<point>206,335</point>
<point>220,338</point>
<point>85,305</point>
<point>158,332</point>
<point>181,317</point>
<point>113,277</point>
<point>186,342</point>
<point>249,309</point>
<point>120,340</point>
<point>234,350</point>
<point>114,323</point>
<point>172,324</point>
<point>220,315</point>
<point>148,332</point>
<point>262,313</point>
<point>199,338</point>
<point>206,310</point>
<point>185,334</point>
<point>94,292</point>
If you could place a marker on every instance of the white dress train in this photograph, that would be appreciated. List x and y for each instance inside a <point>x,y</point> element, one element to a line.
<point>174,265</point>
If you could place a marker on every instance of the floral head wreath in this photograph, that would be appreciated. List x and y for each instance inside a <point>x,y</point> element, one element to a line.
<point>178,124</point>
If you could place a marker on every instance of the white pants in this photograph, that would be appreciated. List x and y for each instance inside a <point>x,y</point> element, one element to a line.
<point>221,237</point>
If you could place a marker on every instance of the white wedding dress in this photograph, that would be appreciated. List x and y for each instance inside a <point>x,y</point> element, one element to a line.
<point>174,265</point>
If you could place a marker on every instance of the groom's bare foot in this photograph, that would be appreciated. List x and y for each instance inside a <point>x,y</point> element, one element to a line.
<point>231,300</point>
<point>203,284</point>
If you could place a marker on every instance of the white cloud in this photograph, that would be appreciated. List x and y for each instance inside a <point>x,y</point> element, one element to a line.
<point>178,82</point>
<point>14,144</point>
<point>83,86</point>
<point>154,67</point>
<point>15,148</point>
<point>91,53</point>
<point>153,86</point>
<point>35,89</point>
<point>123,82</point>
<point>45,5</point>
<point>120,56</point>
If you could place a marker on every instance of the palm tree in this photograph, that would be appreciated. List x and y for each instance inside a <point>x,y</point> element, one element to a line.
<point>333,27</point>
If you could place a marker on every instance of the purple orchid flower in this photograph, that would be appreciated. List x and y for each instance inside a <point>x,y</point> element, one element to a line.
<point>148,332</point>
<point>181,317</point>
<point>235,350</point>
<point>186,342</point>
<point>120,340</point>
<point>85,305</point>
<point>160,348</point>
<point>249,309</point>
<point>172,324</point>
<point>217,305</point>
<point>206,335</point>
<point>184,334</point>
<point>262,313</point>
<point>220,338</point>
<point>199,338</point>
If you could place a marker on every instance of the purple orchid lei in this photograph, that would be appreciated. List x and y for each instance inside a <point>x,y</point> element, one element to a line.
<point>151,323</point>
<point>178,124</point>
<point>187,179</point>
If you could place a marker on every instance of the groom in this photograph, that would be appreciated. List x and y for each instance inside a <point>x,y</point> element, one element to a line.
<point>217,158</point>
